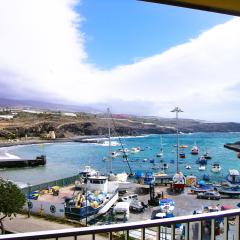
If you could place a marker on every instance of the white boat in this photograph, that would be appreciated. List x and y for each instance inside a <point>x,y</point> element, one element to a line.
<point>194,150</point>
<point>115,154</point>
<point>83,175</point>
<point>188,167</point>
<point>216,168</point>
<point>135,150</point>
<point>179,181</point>
<point>160,154</point>
<point>202,168</point>
<point>99,196</point>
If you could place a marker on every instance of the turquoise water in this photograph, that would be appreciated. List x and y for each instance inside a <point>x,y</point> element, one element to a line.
<point>66,159</point>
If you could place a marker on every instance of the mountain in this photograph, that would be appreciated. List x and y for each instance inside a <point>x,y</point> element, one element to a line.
<point>13,103</point>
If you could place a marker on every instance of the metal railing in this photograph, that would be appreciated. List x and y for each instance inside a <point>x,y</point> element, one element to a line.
<point>194,227</point>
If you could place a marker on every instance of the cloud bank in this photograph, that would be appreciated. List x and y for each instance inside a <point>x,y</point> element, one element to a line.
<point>43,58</point>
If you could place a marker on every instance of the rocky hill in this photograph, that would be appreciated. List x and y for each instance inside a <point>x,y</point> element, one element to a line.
<point>38,125</point>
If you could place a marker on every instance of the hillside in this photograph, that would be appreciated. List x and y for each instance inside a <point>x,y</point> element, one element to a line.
<point>38,125</point>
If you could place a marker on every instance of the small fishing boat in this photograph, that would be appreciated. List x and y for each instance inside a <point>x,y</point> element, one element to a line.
<point>202,168</point>
<point>231,191</point>
<point>164,166</point>
<point>155,166</point>
<point>160,154</point>
<point>233,177</point>
<point>115,154</point>
<point>206,177</point>
<point>152,161</point>
<point>216,168</point>
<point>188,167</point>
<point>201,160</point>
<point>182,155</point>
<point>194,150</point>
<point>207,156</point>
<point>145,160</point>
<point>179,181</point>
<point>135,150</point>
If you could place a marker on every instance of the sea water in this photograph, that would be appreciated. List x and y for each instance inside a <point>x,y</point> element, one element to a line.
<point>67,159</point>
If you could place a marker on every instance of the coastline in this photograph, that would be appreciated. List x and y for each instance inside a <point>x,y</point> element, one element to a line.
<point>40,141</point>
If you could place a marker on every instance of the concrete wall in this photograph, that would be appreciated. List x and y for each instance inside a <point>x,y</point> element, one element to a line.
<point>46,208</point>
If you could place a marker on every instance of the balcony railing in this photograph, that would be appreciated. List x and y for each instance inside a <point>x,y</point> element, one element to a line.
<point>194,227</point>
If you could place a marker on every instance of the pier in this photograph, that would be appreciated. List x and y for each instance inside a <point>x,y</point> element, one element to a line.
<point>19,163</point>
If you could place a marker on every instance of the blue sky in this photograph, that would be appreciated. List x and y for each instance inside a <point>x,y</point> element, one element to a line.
<point>132,56</point>
<point>121,31</point>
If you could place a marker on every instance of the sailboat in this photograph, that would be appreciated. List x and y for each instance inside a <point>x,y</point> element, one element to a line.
<point>121,177</point>
<point>160,154</point>
<point>179,180</point>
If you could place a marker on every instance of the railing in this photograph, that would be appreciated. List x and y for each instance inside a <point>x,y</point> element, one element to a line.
<point>196,227</point>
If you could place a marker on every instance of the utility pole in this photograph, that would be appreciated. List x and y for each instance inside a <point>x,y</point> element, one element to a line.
<point>109,141</point>
<point>177,110</point>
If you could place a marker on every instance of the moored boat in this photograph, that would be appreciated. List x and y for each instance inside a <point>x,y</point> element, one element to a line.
<point>188,167</point>
<point>194,150</point>
<point>202,168</point>
<point>216,168</point>
<point>233,177</point>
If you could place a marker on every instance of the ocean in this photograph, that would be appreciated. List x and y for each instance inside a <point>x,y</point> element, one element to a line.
<point>67,159</point>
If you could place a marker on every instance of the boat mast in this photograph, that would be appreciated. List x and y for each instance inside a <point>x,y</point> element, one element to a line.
<point>177,110</point>
<point>109,140</point>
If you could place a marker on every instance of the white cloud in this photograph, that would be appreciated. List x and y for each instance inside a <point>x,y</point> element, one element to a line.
<point>43,57</point>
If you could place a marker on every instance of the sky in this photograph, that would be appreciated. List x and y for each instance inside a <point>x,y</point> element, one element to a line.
<point>132,56</point>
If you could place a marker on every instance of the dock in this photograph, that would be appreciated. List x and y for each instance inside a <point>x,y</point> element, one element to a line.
<point>19,163</point>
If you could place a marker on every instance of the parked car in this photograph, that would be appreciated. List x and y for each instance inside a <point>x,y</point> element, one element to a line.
<point>136,206</point>
<point>129,198</point>
<point>209,195</point>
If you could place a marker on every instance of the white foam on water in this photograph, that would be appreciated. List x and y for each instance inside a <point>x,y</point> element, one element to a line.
<point>8,156</point>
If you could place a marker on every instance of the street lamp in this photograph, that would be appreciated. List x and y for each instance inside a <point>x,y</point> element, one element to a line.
<point>29,202</point>
<point>177,110</point>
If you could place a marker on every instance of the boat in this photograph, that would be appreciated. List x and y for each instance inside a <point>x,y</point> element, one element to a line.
<point>233,177</point>
<point>216,168</point>
<point>160,154</point>
<point>166,205</point>
<point>206,177</point>
<point>188,167</point>
<point>164,166</point>
<point>115,154</point>
<point>207,155</point>
<point>135,150</point>
<point>182,155</point>
<point>99,196</point>
<point>149,178</point>
<point>152,161</point>
<point>238,154</point>
<point>202,168</point>
<point>231,191</point>
<point>194,150</point>
<point>145,160</point>
<point>179,181</point>
<point>201,160</point>
<point>155,166</point>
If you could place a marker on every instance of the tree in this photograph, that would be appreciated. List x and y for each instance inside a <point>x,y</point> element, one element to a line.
<point>11,200</point>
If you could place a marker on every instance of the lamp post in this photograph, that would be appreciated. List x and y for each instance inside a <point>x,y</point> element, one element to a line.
<point>177,110</point>
<point>28,203</point>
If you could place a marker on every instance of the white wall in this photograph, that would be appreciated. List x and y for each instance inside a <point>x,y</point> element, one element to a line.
<point>46,208</point>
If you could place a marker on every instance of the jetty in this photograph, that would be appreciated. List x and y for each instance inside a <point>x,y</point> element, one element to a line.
<point>19,163</point>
